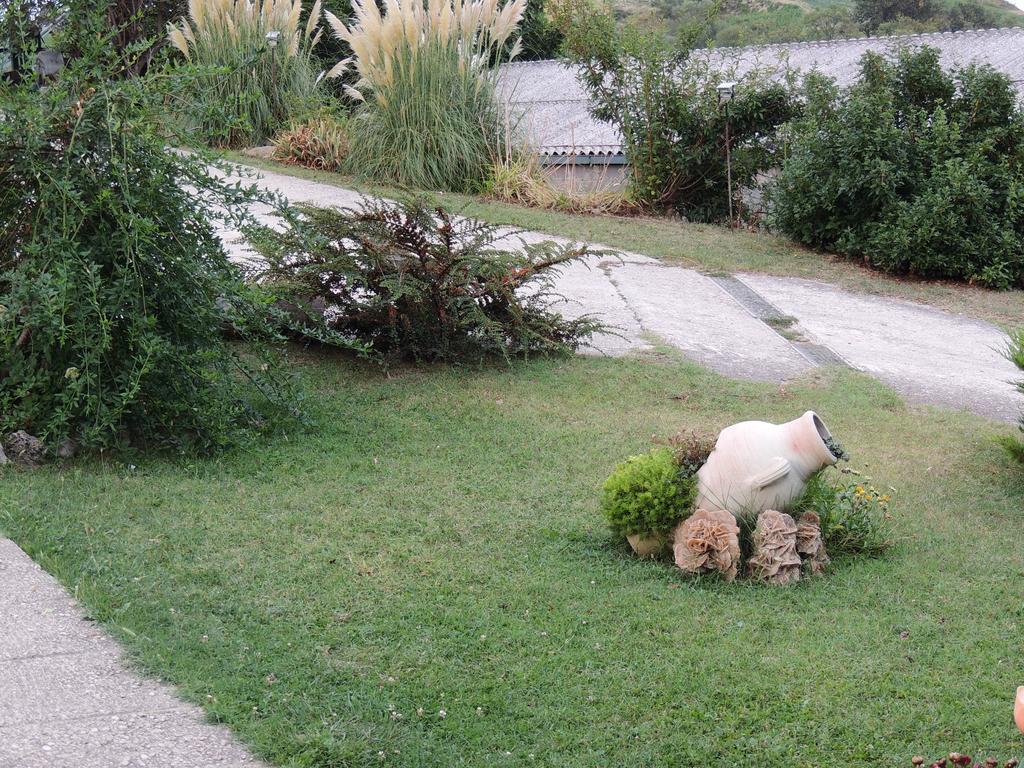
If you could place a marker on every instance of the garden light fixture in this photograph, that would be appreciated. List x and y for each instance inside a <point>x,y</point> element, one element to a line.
<point>272,37</point>
<point>726,92</point>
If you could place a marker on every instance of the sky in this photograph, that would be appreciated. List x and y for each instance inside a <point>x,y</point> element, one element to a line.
<point>1018,3</point>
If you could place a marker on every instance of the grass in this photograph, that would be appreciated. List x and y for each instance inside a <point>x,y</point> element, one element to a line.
<point>436,546</point>
<point>709,248</point>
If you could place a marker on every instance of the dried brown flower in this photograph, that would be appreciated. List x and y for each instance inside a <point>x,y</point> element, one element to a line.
<point>708,541</point>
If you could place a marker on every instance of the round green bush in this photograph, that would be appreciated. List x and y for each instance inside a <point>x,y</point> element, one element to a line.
<point>647,494</point>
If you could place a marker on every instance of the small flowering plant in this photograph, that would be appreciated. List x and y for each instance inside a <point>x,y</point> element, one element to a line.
<point>855,515</point>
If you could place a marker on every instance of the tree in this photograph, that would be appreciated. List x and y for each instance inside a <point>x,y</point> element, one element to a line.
<point>541,38</point>
<point>968,14</point>
<point>664,102</point>
<point>870,14</point>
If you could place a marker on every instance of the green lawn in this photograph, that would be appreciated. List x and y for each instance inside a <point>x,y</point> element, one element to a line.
<point>709,248</point>
<point>435,544</point>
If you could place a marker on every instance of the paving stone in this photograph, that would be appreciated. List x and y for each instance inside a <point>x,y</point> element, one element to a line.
<point>41,628</point>
<point>589,290</point>
<point>690,312</point>
<point>927,355</point>
<point>56,687</point>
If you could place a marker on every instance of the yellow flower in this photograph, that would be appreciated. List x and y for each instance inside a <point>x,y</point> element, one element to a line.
<point>886,498</point>
<point>860,490</point>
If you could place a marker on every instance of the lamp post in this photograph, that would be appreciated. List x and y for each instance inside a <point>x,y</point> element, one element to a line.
<point>726,92</point>
<point>273,36</point>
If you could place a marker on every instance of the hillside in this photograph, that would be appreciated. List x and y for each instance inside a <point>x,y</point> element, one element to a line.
<point>750,22</point>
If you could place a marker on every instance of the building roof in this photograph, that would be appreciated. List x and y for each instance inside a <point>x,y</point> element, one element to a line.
<point>554,106</point>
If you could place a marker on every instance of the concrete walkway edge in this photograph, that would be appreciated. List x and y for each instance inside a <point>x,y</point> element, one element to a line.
<point>68,700</point>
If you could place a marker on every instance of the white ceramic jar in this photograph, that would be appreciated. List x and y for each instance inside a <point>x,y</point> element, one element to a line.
<point>758,466</point>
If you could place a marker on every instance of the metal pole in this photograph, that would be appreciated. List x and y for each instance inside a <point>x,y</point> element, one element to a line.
<point>728,163</point>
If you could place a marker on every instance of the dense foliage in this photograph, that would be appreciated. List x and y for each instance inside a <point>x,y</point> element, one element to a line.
<point>114,286</point>
<point>253,66</point>
<point>912,170</point>
<point>541,38</point>
<point>429,117</point>
<point>873,13</point>
<point>415,283</point>
<point>664,102</point>
<point>647,494</point>
<point>751,22</point>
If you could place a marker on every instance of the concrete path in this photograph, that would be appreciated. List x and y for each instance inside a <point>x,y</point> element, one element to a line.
<point>768,328</point>
<point>67,699</point>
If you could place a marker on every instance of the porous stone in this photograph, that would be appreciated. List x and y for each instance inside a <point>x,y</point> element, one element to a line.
<point>775,559</point>
<point>809,544</point>
<point>708,541</point>
<point>25,449</point>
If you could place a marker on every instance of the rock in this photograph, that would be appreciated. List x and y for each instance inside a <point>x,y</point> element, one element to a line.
<point>24,449</point>
<point>4,461</point>
<point>708,541</point>
<point>775,559</point>
<point>809,543</point>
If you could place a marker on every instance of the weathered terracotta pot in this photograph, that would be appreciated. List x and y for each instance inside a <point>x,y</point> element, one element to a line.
<point>758,466</point>
<point>1018,709</point>
<point>646,546</point>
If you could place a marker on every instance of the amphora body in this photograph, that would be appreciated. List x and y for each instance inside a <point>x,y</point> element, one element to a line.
<point>758,466</point>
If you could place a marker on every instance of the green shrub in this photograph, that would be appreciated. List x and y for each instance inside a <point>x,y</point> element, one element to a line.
<point>665,104</point>
<point>244,85</point>
<point>647,494</point>
<point>411,282</point>
<point>1015,351</point>
<point>114,285</point>
<point>321,143</point>
<point>854,514</point>
<point>430,117</point>
<point>912,170</point>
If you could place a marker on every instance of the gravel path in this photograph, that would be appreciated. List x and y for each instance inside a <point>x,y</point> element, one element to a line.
<point>769,328</point>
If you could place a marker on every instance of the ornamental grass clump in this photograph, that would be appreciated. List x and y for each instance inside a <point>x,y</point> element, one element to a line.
<point>320,142</point>
<point>254,66</point>
<point>429,117</point>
